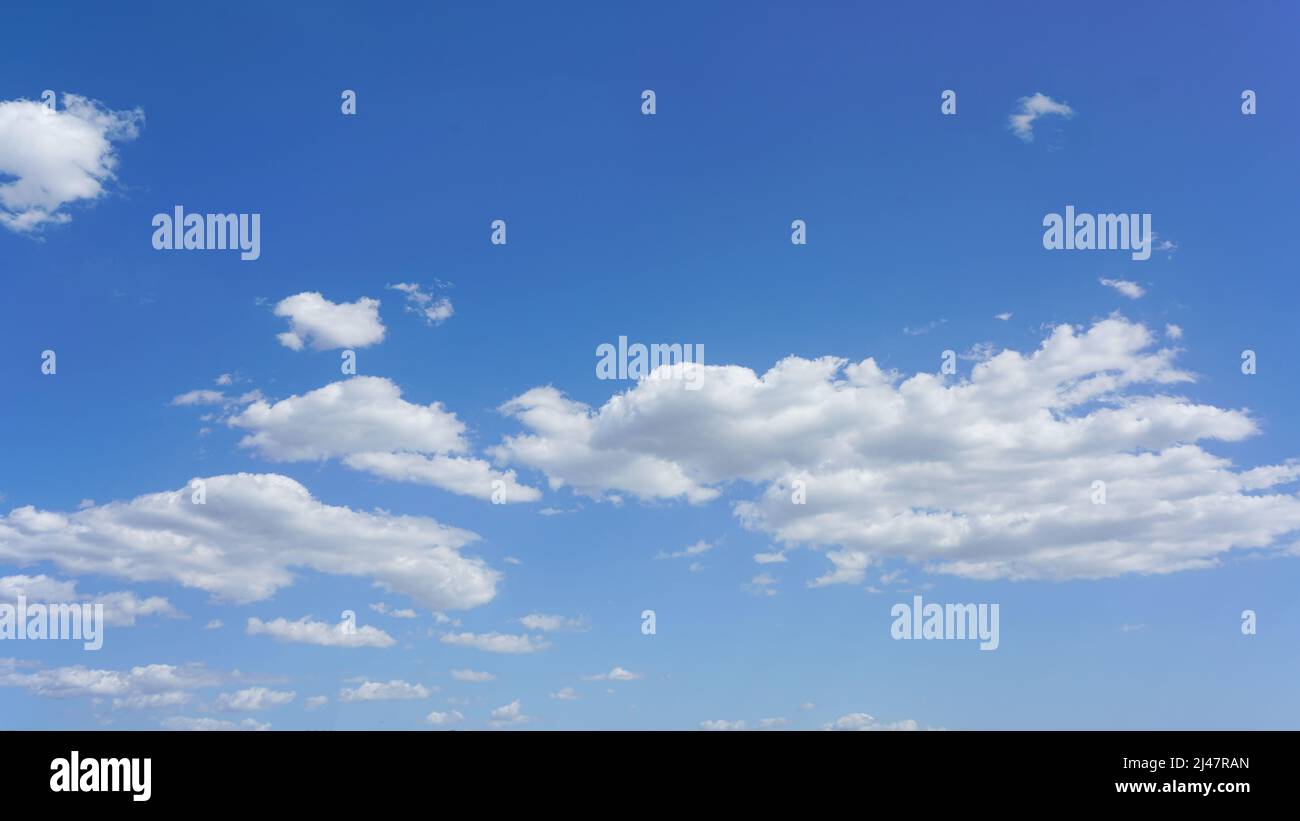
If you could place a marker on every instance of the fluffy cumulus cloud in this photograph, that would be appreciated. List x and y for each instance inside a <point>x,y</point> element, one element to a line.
<point>325,325</point>
<point>1029,109</point>
<point>50,159</point>
<point>121,608</point>
<point>989,475</point>
<point>308,631</point>
<point>574,447</point>
<point>247,538</point>
<point>365,422</point>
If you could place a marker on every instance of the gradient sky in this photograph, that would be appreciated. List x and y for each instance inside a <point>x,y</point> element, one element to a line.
<point>922,228</point>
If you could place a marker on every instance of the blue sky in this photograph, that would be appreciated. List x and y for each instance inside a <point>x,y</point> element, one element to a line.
<point>922,228</point>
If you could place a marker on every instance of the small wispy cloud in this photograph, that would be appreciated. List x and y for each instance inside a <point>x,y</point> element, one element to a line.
<point>699,548</point>
<point>1031,109</point>
<point>1164,246</point>
<point>1129,289</point>
<point>552,624</point>
<point>496,642</point>
<point>924,329</point>
<point>617,674</point>
<point>763,584</point>
<point>472,675</point>
<point>434,310</point>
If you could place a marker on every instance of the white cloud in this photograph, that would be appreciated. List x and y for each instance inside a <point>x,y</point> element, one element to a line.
<point>552,624</point>
<point>253,698</point>
<point>568,445</point>
<point>121,608</point>
<point>863,721</point>
<point>565,694</point>
<point>153,701</point>
<point>365,422</point>
<point>496,642</point>
<point>1004,316</point>
<point>979,352</point>
<point>325,325</point>
<point>58,157</point>
<point>465,476</point>
<point>200,397</point>
<point>617,674</point>
<point>246,542</point>
<point>764,584</point>
<point>316,702</point>
<point>985,476</point>
<point>215,624</point>
<point>306,631</point>
<point>150,685</point>
<point>423,304</point>
<point>472,675</point>
<point>924,329</point>
<point>1173,332</point>
<point>202,724</point>
<point>717,725</point>
<point>440,719</point>
<point>37,589</point>
<point>772,723</point>
<point>402,613</point>
<point>380,691</point>
<point>357,415</point>
<point>1030,109</point>
<point>509,714</point>
<point>699,548</point>
<point>1129,289</point>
